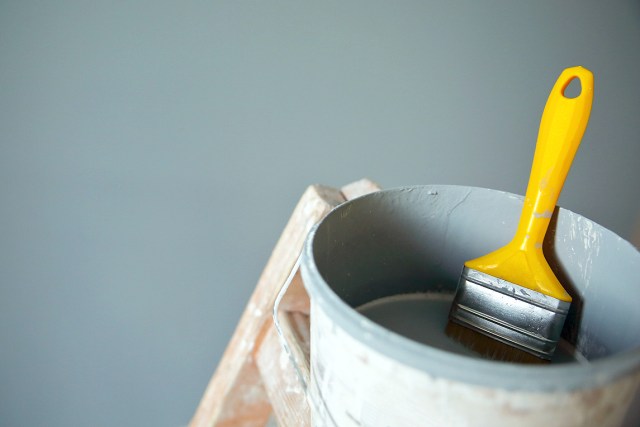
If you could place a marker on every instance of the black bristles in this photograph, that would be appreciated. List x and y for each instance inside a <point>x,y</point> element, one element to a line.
<point>490,347</point>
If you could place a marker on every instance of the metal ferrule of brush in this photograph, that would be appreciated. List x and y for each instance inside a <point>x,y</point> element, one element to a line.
<point>510,313</point>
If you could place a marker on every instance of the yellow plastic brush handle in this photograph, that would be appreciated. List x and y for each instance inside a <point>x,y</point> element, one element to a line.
<point>563,123</point>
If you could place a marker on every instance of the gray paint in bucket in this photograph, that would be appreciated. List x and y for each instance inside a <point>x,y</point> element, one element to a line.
<point>417,239</point>
<point>423,317</point>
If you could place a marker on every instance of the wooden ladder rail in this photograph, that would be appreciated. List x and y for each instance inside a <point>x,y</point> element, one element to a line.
<point>256,377</point>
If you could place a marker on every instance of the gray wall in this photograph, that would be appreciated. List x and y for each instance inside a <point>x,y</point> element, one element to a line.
<point>151,153</point>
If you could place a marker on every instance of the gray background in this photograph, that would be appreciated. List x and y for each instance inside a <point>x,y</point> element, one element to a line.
<point>151,153</point>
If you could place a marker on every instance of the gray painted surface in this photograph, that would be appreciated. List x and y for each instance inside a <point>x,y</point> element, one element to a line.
<point>151,153</point>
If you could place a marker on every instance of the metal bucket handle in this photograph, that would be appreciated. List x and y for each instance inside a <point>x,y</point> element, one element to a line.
<point>288,338</point>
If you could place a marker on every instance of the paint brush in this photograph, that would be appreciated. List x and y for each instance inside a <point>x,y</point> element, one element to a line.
<point>509,305</point>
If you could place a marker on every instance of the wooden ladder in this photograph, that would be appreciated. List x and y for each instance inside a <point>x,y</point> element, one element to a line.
<point>264,371</point>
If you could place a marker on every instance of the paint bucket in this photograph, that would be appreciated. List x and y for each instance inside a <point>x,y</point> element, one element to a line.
<point>415,240</point>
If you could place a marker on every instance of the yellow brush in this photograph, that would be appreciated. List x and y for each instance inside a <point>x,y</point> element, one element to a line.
<point>509,305</point>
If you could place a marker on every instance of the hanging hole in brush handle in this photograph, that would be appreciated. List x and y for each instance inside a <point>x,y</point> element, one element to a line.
<point>573,89</point>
